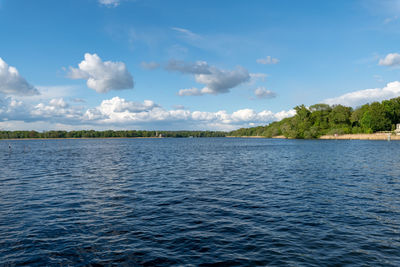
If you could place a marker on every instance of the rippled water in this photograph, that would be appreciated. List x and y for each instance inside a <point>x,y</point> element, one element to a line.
<point>199,202</point>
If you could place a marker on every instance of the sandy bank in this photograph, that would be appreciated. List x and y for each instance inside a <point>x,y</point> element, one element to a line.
<point>374,136</point>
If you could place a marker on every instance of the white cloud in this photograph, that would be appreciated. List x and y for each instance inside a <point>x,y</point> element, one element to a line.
<point>361,97</point>
<point>391,59</point>
<point>221,81</point>
<point>149,65</point>
<point>102,76</point>
<point>12,83</point>
<point>11,108</point>
<point>216,81</point>
<point>47,93</point>
<point>110,3</point>
<point>267,60</point>
<point>262,92</point>
<point>117,104</point>
<point>284,114</point>
<point>118,111</point>
<point>190,92</point>
<point>54,110</point>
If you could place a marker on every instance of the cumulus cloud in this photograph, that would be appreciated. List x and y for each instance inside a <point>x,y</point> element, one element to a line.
<point>12,83</point>
<point>361,97</point>
<point>10,107</point>
<point>120,105</point>
<point>284,114</point>
<point>221,81</point>
<point>149,65</point>
<point>54,110</point>
<point>109,3</point>
<point>392,59</point>
<point>215,81</point>
<point>119,110</point>
<point>102,76</point>
<point>268,60</point>
<point>262,92</point>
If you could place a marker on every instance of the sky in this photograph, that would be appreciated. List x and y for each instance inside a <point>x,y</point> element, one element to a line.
<point>190,65</point>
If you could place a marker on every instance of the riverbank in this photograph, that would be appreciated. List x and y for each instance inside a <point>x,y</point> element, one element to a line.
<point>374,136</point>
<point>84,138</point>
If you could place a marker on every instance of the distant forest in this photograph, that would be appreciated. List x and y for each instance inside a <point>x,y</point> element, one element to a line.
<point>308,123</point>
<point>322,119</point>
<point>107,134</point>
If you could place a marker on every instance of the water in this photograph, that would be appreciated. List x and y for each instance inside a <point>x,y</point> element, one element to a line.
<point>199,202</point>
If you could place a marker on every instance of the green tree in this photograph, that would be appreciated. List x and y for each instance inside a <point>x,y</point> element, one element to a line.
<point>340,115</point>
<point>374,119</point>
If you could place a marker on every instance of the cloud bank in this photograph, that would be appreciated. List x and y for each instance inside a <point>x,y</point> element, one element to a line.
<point>357,98</point>
<point>102,76</point>
<point>12,83</point>
<point>120,113</point>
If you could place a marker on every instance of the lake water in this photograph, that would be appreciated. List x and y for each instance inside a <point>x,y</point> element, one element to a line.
<point>199,201</point>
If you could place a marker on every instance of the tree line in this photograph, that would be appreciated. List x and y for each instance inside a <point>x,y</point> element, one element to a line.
<point>309,122</point>
<point>107,134</point>
<point>322,119</point>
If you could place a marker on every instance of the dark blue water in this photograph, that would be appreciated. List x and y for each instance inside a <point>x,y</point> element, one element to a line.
<point>199,202</point>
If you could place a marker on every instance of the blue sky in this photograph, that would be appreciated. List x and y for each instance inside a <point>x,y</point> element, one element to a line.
<point>218,65</point>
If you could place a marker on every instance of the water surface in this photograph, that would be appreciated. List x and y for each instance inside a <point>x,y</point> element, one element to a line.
<point>199,201</point>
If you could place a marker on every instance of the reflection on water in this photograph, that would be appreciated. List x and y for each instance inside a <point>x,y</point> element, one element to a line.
<point>199,201</point>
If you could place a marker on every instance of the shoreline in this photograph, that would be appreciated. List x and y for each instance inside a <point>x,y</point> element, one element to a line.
<point>374,136</point>
<point>86,138</point>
